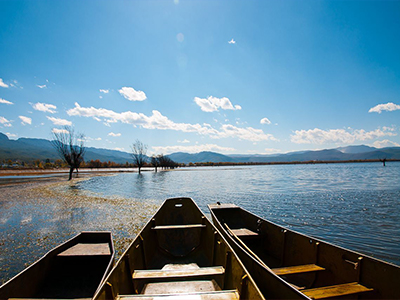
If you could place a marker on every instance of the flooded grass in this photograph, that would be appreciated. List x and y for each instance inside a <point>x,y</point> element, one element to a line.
<point>35,219</point>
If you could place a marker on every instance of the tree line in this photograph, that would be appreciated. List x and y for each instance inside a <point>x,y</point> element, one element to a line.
<point>71,149</point>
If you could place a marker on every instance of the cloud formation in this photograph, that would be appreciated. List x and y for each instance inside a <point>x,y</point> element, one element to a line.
<point>57,130</point>
<point>4,101</point>
<point>45,107</point>
<point>5,122</point>
<point>213,104</point>
<point>390,106</point>
<point>2,84</point>
<point>25,120</point>
<point>41,86</point>
<point>319,136</point>
<point>385,143</point>
<point>104,91</point>
<point>131,94</point>
<point>232,41</point>
<point>191,149</point>
<point>265,121</point>
<point>60,122</point>
<point>158,121</point>
<point>114,134</point>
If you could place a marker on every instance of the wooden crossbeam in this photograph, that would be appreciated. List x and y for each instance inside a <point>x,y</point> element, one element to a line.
<point>154,274</point>
<point>216,295</point>
<point>336,290</point>
<point>187,226</point>
<point>297,269</point>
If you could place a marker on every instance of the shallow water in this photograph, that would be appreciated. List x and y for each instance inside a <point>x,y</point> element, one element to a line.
<point>353,205</point>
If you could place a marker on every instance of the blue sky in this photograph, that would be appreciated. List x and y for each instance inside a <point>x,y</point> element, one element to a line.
<point>224,76</point>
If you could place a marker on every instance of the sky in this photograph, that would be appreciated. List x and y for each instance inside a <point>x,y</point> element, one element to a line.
<point>234,77</point>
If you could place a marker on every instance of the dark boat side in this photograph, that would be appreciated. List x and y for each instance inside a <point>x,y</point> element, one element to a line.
<point>179,255</point>
<point>317,269</point>
<point>74,269</point>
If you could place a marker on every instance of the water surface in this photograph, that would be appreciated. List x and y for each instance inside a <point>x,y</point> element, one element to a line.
<point>353,205</point>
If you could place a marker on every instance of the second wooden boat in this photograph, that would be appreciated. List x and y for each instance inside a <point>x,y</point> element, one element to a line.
<point>179,255</point>
<point>75,269</point>
<point>317,269</point>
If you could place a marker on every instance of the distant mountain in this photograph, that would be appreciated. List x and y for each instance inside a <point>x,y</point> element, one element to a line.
<point>339,154</point>
<point>356,149</point>
<point>30,149</point>
<point>204,156</point>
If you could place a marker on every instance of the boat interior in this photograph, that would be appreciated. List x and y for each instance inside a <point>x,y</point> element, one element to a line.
<point>178,253</point>
<point>318,269</point>
<point>73,270</point>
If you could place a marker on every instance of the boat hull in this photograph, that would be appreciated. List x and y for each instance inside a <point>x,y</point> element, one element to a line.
<point>179,253</point>
<point>74,269</point>
<point>315,268</point>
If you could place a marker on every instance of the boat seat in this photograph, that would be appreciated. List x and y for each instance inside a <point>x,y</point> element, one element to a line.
<point>82,249</point>
<point>336,290</point>
<point>187,226</point>
<point>177,273</point>
<point>297,269</point>
<point>217,295</point>
<point>245,233</point>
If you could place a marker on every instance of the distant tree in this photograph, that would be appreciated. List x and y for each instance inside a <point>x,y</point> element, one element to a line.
<point>139,151</point>
<point>70,147</point>
<point>155,162</point>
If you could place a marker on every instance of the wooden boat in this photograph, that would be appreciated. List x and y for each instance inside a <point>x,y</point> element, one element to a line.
<point>317,269</point>
<point>74,269</point>
<point>178,255</point>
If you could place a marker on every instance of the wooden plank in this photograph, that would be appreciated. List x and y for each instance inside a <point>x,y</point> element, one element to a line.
<point>177,273</point>
<point>217,295</point>
<point>297,269</point>
<point>187,226</point>
<point>87,250</point>
<point>244,232</point>
<point>336,290</point>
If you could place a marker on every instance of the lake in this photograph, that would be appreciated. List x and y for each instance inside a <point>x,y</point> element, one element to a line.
<point>353,205</point>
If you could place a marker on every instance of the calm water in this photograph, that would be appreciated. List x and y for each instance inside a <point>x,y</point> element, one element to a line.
<point>352,205</point>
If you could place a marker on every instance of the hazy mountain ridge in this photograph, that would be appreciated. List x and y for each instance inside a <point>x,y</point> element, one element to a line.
<point>29,149</point>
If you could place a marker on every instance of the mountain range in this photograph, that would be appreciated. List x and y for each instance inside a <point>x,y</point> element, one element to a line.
<point>30,149</point>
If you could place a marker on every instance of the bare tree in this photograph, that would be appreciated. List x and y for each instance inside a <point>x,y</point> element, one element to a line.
<point>155,162</point>
<point>139,151</point>
<point>70,147</point>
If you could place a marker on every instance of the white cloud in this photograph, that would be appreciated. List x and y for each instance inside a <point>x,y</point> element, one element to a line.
<point>60,122</point>
<point>41,86</point>
<point>119,149</point>
<point>232,41</point>
<point>57,130</point>
<point>390,106</point>
<point>191,149</point>
<point>385,143</point>
<point>11,135</point>
<point>25,120</point>
<point>104,91</point>
<point>131,94</point>
<point>45,107</point>
<point>272,151</point>
<point>2,84</point>
<point>185,141</point>
<point>114,134</point>
<point>158,121</point>
<point>4,101</point>
<point>265,121</point>
<point>319,136</point>
<point>5,122</point>
<point>213,104</point>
